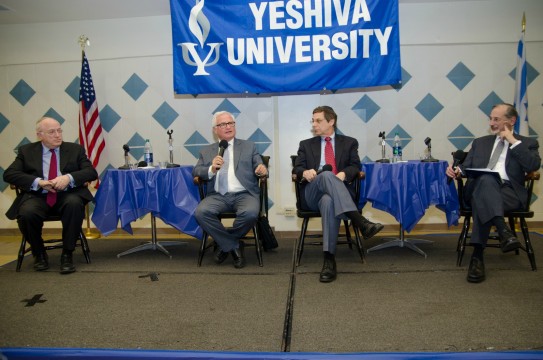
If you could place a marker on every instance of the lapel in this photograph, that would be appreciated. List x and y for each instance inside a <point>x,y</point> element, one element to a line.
<point>316,149</point>
<point>338,151</point>
<point>63,153</point>
<point>237,152</point>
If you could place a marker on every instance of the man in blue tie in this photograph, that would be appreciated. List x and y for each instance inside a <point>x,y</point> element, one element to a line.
<point>51,175</point>
<point>232,167</point>
<point>512,156</point>
<point>331,192</point>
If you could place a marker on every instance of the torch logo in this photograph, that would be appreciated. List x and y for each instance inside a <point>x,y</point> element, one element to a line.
<point>199,26</point>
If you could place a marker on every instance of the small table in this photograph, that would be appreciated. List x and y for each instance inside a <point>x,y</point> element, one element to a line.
<point>126,195</point>
<point>405,190</point>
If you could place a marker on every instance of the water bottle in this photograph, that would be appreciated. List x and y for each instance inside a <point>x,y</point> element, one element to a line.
<point>397,149</point>
<point>148,153</point>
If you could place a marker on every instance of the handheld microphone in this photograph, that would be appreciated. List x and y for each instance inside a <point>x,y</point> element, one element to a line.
<point>326,167</point>
<point>458,158</point>
<point>222,146</point>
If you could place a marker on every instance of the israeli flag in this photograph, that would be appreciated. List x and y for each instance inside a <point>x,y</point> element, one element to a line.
<point>521,87</point>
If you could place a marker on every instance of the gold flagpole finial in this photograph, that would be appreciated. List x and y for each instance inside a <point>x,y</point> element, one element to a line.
<point>523,22</point>
<point>83,41</point>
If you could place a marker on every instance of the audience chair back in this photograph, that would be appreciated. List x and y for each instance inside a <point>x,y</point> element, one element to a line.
<point>50,244</point>
<point>306,215</point>
<point>520,215</point>
<point>263,184</point>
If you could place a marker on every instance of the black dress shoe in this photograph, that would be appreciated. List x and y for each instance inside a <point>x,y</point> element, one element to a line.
<point>220,256</point>
<point>476,271</point>
<point>237,255</point>
<point>66,263</point>
<point>41,262</point>
<point>508,241</point>
<point>328,272</point>
<point>371,229</point>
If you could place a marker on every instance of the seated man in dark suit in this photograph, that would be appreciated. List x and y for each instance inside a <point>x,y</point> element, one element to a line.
<point>327,191</point>
<point>232,167</point>
<point>512,156</point>
<point>51,175</point>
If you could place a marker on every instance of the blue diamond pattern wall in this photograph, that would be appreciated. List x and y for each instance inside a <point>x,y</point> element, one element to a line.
<point>446,94</point>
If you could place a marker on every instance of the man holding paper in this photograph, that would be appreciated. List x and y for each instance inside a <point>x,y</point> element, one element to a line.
<point>512,156</point>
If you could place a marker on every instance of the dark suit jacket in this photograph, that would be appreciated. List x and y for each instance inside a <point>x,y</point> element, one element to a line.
<point>28,165</point>
<point>246,159</point>
<point>346,154</point>
<point>520,160</point>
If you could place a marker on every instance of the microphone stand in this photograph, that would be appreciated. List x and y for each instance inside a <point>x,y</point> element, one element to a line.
<point>170,147</point>
<point>383,149</point>
<point>429,158</point>
<point>125,166</point>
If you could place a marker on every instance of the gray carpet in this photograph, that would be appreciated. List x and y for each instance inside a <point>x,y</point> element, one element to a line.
<point>396,301</point>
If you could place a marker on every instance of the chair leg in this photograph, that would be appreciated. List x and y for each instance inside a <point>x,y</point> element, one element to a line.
<point>348,234</point>
<point>258,246</point>
<point>359,244</point>
<point>202,249</point>
<point>85,247</point>
<point>513,229</point>
<point>21,255</point>
<point>461,246</point>
<point>529,248</point>
<point>301,239</point>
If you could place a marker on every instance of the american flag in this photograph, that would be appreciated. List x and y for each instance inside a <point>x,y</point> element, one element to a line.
<point>90,129</point>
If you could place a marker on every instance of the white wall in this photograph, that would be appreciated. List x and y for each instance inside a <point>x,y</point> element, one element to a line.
<point>435,36</point>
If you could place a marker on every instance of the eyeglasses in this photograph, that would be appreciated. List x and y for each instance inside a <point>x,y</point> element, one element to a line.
<point>53,131</point>
<point>223,125</point>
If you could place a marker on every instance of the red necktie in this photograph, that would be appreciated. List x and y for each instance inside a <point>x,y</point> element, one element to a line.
<point>52,196</point>
<point>329,154</point>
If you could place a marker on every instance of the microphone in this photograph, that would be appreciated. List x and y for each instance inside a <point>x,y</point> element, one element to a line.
<point>126,149</point>
<point>326,167</point>
<point>458,158</point>
<point>222,146</point>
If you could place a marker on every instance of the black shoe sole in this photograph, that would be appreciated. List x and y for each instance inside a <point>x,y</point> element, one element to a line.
<point>476,280</point>
<point>67,270</point>
<point>326,280</point>
<point>511,247</point>
<point>376,228</point>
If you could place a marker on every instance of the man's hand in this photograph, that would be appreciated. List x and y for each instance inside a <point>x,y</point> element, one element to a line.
<point>261,170</point>
<point>309,175</point>
<point>452,173</point>
<point>60,183</point>
<point>341,175</point>
<point>217,163</point>
<point>507,134</point>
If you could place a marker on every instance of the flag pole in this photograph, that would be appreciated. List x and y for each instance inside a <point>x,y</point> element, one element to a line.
<point>89,233</point>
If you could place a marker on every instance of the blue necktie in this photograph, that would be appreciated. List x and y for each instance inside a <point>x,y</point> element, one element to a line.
<point>223,173</point>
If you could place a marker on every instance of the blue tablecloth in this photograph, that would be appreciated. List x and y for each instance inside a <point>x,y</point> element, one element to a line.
<point>406,190</point>
<point>126,195</point>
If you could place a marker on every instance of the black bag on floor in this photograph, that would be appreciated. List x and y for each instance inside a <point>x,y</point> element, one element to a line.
<point>265,233</point>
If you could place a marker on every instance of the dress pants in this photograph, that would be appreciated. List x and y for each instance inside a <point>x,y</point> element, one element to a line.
<point>488,199</point>
<point>33,212</point>
<point>246,207</point>
<point>329,195</point>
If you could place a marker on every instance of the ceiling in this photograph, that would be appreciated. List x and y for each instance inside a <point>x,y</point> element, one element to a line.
<point>47,11</point>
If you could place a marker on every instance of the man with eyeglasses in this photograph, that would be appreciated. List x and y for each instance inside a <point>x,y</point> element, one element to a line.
<point>52,176</point>
<point>512,156</point>
<point>232,167</point>
<point>330,192</point>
